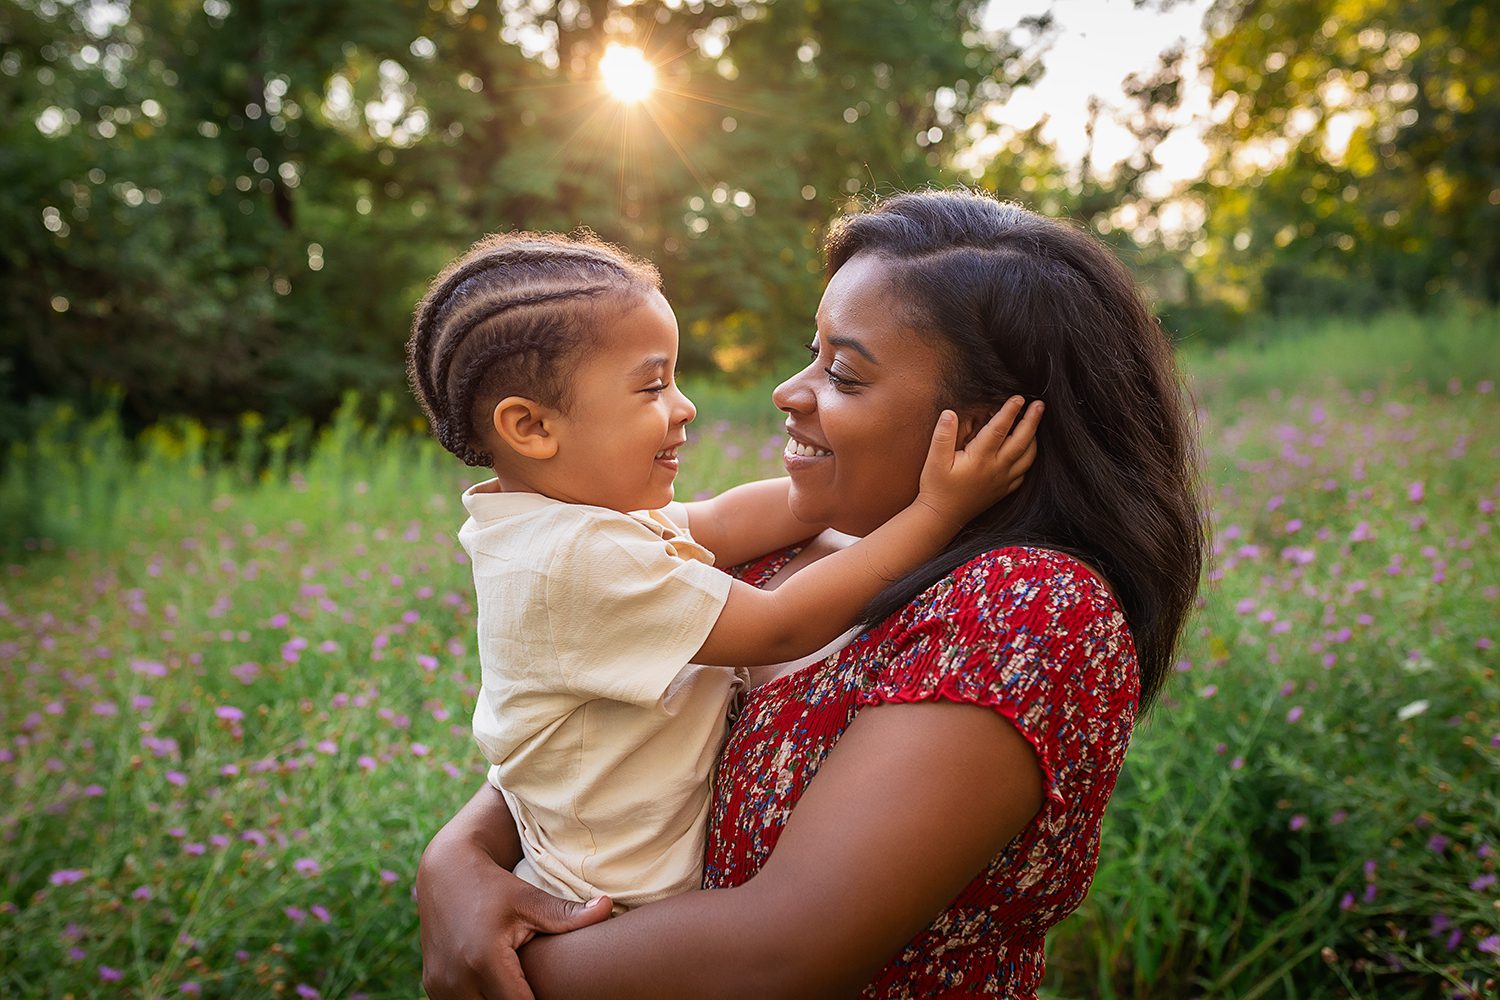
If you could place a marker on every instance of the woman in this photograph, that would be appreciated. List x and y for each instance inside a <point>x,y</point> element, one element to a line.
<point>965,742</point>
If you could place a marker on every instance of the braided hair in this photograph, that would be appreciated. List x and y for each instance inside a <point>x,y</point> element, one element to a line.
<point>503,320</point>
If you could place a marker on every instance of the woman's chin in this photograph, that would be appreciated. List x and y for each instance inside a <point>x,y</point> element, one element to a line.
<point>808,506</point>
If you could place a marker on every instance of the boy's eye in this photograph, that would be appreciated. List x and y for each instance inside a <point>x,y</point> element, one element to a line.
<point>812,349</point>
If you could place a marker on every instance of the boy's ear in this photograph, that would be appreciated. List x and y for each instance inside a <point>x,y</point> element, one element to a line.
<point>526,427</point>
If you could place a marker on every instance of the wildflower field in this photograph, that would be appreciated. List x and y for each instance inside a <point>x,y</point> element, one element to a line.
<point>237,672</point>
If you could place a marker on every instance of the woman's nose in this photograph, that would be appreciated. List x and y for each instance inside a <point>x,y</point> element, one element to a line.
<point>792,395</point>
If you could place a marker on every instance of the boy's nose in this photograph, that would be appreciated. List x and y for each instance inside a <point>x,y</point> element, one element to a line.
<point>686,411</point>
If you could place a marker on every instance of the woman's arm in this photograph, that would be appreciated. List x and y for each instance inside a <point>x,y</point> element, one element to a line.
<point>747,521</point>
<point>475,913</point>
<point>908,808</point>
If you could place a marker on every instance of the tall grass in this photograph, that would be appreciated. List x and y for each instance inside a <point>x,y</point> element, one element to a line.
<point>237,672</point>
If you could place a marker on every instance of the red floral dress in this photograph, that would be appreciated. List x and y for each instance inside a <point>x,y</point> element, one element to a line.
<point>1030,633</point>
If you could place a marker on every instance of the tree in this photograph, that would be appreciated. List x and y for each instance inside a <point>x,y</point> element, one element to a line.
<point>229,205</point>
<point>1358,163</point>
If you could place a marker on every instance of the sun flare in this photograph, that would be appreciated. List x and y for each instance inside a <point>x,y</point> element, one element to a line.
<point>627,76</point>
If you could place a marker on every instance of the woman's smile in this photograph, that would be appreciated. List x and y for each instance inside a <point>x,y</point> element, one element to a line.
<point>801,453</point>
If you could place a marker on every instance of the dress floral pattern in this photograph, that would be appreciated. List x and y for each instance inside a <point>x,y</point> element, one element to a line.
<point>1030,633</point>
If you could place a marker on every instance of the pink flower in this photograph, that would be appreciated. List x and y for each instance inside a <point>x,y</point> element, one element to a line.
<point>307,867</point>
<point>245,673</point>
<point>177,778</point>
<point>1294,714</point>
<point>67,876</point>
<point>1297,822</point>
<point>420,750</point>
<point>110,975</point>
<point>229,713</point>
<point>387,876</point>
<point>1416,491</point>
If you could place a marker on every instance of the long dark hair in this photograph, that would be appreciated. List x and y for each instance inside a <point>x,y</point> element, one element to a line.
<point>1026,305</point>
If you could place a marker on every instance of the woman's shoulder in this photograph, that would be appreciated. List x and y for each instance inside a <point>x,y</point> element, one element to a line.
<point>1013,606</point>
<point>1014,579</point>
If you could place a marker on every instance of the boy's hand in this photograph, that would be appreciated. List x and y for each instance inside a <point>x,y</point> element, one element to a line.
<point>961,483</point>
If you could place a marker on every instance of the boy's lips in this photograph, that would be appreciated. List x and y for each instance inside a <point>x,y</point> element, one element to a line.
<point>668,455</point>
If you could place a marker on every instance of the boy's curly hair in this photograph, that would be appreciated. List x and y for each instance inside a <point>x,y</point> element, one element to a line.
<point>504,319</point>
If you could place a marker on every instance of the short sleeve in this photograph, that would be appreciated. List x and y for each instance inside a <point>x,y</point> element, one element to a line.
<point>626,613</point>
<point>1033,635</point>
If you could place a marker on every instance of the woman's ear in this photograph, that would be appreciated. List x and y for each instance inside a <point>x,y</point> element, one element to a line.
<point>970,419</point>
<point>526,427</point>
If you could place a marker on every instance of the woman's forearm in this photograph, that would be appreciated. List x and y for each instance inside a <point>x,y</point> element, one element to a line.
<point>695,945</point>
<point>484,822</point>
<point>828,910</point>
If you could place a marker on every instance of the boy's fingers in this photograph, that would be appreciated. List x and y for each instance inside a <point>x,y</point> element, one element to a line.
<point>944,440</point>
<point>994,432</point>
<point>1023,434</point>
<point>1024,461</point>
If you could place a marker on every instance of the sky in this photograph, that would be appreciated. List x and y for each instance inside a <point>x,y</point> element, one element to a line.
<point>1098,43</point>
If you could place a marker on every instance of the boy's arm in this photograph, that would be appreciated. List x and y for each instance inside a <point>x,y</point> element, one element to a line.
<point>747,521</point>
<point>816,605</point>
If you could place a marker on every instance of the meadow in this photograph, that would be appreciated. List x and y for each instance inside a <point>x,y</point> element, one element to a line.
<point>237,670</point>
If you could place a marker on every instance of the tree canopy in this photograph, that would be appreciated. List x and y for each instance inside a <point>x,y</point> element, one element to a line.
<point>219,206</point>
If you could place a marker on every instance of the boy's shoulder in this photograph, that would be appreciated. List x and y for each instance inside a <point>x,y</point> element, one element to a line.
<point>511,525</point>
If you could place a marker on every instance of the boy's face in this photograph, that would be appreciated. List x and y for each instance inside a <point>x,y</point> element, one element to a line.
<point>617,444</point>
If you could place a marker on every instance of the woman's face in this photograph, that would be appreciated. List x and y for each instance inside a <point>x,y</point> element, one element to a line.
<point>860,416</point>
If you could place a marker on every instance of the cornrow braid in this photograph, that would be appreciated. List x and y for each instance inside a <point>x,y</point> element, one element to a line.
<point>502,319</point>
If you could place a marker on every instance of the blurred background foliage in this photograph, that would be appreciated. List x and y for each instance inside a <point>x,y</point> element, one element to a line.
<point>214,207</point>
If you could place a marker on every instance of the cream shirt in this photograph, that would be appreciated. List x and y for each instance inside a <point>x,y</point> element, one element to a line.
<point>602,734</point>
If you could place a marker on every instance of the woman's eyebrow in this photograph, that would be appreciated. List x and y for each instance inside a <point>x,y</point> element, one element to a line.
<point>854,346</point>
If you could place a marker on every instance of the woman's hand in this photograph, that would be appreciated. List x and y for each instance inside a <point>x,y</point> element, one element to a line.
<point>475,914</point>
<point>961,483</point>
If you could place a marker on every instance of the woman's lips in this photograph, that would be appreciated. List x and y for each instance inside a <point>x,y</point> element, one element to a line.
<point>804,450</point>
<point>799,455</point>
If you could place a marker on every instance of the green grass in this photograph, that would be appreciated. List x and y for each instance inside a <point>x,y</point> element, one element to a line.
<point>236,692</point>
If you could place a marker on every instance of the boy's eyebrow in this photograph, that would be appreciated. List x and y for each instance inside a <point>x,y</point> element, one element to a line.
<point>854,346</point>
<point>650,365</point>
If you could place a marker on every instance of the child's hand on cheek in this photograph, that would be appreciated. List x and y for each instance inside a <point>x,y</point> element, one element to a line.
<point>960,483</point>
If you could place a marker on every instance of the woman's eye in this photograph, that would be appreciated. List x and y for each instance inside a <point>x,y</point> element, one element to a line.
<point>657,389</point>
<point>812,349</point>
<point>839,381</point>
